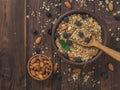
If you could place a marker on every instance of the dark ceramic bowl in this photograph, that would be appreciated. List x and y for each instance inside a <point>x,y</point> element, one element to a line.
<point>101,23</point>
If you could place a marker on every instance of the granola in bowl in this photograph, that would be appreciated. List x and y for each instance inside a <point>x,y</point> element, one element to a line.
<point>73,30</point>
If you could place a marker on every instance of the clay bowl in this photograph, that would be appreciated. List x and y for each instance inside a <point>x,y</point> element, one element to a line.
<point>35,70</point>
<point>98,19</point>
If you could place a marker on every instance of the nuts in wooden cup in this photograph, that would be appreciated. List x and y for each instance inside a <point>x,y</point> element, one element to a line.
<point>39,67</point>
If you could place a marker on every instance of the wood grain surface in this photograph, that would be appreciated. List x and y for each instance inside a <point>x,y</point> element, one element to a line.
<point>19,17</point>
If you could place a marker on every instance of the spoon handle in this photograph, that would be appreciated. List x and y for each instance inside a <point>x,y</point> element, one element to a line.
<point>109,51</point>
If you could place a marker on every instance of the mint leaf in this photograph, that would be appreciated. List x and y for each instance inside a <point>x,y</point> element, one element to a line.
<point>64,45</point>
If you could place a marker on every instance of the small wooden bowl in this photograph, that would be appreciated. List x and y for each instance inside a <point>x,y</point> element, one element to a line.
<point>38,59</point>
<point>100,21</point>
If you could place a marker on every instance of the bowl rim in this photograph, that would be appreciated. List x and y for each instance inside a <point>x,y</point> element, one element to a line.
<point>28,69</point>
<point>97,18</point>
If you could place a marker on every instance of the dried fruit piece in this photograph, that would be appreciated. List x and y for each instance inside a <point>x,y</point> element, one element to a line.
<point>66,19</point>
<point>111,67</point>
<point>48,14</point>
<point>76,70</point>
<point>37,49</point>
<point>38,40</point>
<point>63,27</point>
<point>65,55</point>
<point>81,34</point>
<point>86,40</point>
<point>69,42</point>
<point>78,59</point>
<point>71,55</point>
<point>67,4</point>
<point>58,75</point>
<point>78,23</point>
<point>55,67</point>
<point>110,6</point>
<point>34,31</point>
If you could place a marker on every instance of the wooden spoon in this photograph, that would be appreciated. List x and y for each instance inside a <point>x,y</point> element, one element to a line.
<point>107,50</point>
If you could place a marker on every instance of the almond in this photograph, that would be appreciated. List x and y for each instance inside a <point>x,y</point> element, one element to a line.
<point>33,61</point>
<point>38,40</point>
<point>55,68</point>
<point>110,6</point>
<point>67,4</point>
<point>41,64</point>
<point>111,67</point>
<point>40,76</point>
<point>32,72</point>
<point>63,27</point>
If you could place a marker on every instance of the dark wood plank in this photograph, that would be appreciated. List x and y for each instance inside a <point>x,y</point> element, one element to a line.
<point>12,45</point>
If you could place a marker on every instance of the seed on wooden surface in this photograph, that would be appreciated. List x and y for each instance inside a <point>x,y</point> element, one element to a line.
<point>67,4</point>
<point>111,67</point>
<point>110,6</point>
<point>55,67</point>
<point>38,40</point>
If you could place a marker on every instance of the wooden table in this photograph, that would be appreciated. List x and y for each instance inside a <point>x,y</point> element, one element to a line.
<point>17,43</point>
